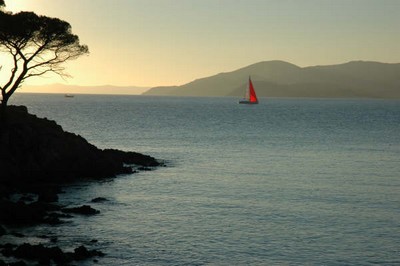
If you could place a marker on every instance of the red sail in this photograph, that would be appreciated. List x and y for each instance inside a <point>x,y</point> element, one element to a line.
<point>253,96</point>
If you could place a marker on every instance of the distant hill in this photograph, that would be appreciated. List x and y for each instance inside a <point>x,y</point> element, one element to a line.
<point>74,89</point>
<point>282,79</point>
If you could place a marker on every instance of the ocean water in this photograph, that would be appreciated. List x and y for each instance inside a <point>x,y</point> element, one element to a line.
<point>285,182</point>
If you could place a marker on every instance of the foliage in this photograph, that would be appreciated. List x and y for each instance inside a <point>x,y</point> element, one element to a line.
<point>36,45</point>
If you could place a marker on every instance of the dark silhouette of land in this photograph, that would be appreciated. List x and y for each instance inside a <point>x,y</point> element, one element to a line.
<point>357,79</point>
<point>37,158</point>
<point>75,89</point>
<point>38,150</point>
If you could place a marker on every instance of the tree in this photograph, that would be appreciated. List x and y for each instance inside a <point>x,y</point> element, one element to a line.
<point>35,45</point>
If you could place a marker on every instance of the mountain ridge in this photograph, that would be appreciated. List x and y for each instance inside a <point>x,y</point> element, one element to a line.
<point>77,89</point>
<point>277,78</point>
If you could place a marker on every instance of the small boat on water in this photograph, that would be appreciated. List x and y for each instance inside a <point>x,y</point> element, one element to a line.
<point>69,96</point>
<point>251,97</point>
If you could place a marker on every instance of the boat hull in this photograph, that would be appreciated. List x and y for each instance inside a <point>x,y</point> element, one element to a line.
<point>247,102</point>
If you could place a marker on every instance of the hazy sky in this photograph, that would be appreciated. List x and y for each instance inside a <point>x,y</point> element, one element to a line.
<point>172,42</point>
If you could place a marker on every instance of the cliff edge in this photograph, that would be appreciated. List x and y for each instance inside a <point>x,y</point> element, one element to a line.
<point>35,150</point>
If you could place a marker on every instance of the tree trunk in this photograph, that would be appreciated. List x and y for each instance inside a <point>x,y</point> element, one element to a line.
<point>3,113</point>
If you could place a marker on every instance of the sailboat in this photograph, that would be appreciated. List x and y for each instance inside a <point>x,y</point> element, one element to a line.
<point>251,97</point>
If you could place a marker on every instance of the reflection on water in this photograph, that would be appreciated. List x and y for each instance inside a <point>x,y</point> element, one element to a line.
<point>289,181</point>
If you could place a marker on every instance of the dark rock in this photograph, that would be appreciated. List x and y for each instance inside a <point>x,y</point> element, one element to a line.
<point>2,231</point>
<point>131,157</point>
<point>46,255</point>
<point>18,263</point>
<point>82,253</point>
<point>99,199</point>
<point>26,198</point>
<point>52,220</point>
<point>40,253</point>
<point>59,215</point>
<point>36,150</point>
<point>48,196</point>
<point>84,209</point>
<point>5,191</point>
<point>7,250</point>
<point>36,156</point>
<point>20,213</point>
<point>16,234</point>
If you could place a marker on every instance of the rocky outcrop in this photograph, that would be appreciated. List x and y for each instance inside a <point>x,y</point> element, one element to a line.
<point>46,255</point>
<point>99,199</point>
<point>37,158</point>
<point>84,210</point>
<point>36,150</point>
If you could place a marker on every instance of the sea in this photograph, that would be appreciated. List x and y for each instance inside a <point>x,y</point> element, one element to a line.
<point>290,181</point>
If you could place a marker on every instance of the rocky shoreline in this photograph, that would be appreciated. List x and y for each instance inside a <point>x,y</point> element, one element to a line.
<point>37,159</point>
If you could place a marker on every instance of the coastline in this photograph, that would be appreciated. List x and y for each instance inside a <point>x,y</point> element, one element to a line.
<point>37,159</point>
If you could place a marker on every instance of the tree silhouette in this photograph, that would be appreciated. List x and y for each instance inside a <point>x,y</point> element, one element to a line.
<point>35,45</point>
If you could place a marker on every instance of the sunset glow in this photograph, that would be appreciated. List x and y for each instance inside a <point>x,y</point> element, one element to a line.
<point>156,43</point>
<point>199,132</point>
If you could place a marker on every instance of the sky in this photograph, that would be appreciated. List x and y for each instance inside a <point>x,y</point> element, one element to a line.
<point>172,42</point>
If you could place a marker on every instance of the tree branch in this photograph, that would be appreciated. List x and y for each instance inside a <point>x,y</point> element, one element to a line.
<point>13,71</point>
<point>38,45</point>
